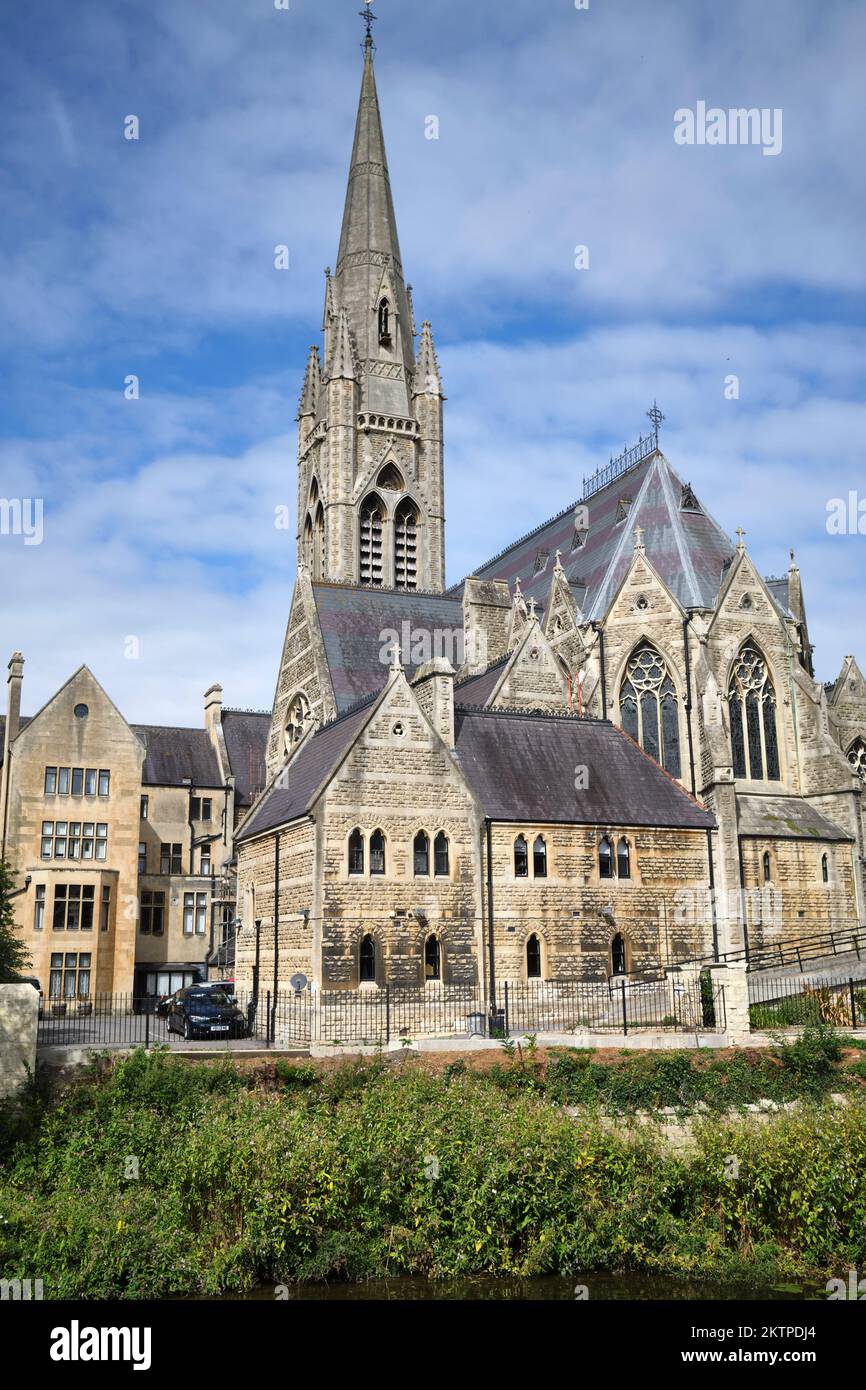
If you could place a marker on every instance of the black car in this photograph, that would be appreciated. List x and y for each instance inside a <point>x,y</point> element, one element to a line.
<point>205,1013</point>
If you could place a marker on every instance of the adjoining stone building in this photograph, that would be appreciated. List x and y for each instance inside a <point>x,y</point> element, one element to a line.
<point>123,836</point>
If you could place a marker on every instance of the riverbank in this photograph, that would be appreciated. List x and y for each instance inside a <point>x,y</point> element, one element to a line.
<point>154,1178</point>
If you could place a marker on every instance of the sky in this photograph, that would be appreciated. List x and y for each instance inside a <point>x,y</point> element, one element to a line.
<point>160,564</point>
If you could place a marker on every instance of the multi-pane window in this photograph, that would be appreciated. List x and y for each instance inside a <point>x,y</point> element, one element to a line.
<point>356,852</point>
<point>205,860</point>
<point>372,516</point>
<point>521,857</point>
<point>77,781</point>
<point>752,705</point>
<point>441,867</point>
<point>70,975</point>
<point>105,908</point>
<point>194,913</point>
<point>73,907</point>
<point>649,707</point>
<point>170,859</point>
<point>406,546</point>
<point>74,839</point>
<point>142,857</point>
<point>145,806</point>
<point>39,911</point>
<point>201,808</point>
<point>152,913</point>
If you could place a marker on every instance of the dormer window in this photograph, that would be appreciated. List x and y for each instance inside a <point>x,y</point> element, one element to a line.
<point>384,324</point>
<point>541,559</point>
<point>623,508</point>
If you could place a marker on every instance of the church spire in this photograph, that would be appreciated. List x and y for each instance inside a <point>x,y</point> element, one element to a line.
<point>368,282</point>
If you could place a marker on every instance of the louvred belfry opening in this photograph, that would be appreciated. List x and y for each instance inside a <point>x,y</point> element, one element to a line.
<point>406,547</point>
<point>371,542</point>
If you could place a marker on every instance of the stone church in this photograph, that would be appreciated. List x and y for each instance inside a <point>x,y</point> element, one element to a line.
<point>603,751</point>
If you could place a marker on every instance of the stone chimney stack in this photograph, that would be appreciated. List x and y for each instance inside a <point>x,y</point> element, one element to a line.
<point>434,686</point>
<point>213,708</point>
<point>486,618</point>
<point>13,699</point>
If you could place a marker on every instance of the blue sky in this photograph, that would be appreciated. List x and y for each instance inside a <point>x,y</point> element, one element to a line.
<point>155,257</point>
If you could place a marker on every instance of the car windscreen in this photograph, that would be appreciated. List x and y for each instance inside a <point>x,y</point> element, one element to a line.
<point>207,996</point>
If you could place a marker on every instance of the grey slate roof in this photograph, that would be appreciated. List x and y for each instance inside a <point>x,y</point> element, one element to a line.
<point>787,818</point>
<point>687,548</point>
<point>246,740</point>
<point>22,723</point>
<point>305,776</point>
<point>476,690</point>
<point>174,754</point>
<point>779,590</point>
<point>353,620</point>
<point>522,767</point>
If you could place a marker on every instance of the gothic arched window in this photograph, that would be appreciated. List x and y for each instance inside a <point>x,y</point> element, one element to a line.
<point>752,703</point>
<point>432,959</point>
<point>650,709</point>
<point>356,852</point>
<point>623,859</point>
<point>857,757</point>
<point>825,869</point>
<point>297,719</point>
<point>370,551</point>
<point>421,854</point>
<point>377,852</point>
<point>385,323</point>
<point>406,546</point>
<point>441,867</point>
<point>533,958</point>
<point>618,955</point>
<point>768,866</point>
<point>605,858</point>
<point>318,566</point>
<point>539,858</point>
<point>521,858</point>
<point>307,548</point>
<point>367,960</point>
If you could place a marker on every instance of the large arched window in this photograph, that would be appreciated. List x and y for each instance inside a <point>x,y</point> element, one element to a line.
<point>367,960</point>
<point>650,709</point>
<point>521,858</point>
<point>752,704</point>
<point>297,719</point>
<point>318,565</point>
<point>432,959</point>
<point>421,854</point>
<point>539,858</point>
<point>605,858</point>
<point>356,852</point>
<point>533,958</point>
<point>377,852</point>
<point>406,546</point>
<point>441,865</point>
<point>372,517</point>
<point>623,859</point>
<point>857,757</point>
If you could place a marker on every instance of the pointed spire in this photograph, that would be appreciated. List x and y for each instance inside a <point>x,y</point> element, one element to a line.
<point>343,361</point>
<point>428,378</point>
<point>330,311</point>
<point>309,402</point>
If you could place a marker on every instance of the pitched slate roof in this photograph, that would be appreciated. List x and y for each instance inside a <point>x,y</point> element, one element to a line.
<point>686,547</point>
<point>522,767</point>
<point>786,818</point>
<point>246,739</point>
<point>355,622</point>
<point>476,690</point>
<point>22,724</point>
<point>299,784</point>
<point>779,590</point>
<point>174,754</point>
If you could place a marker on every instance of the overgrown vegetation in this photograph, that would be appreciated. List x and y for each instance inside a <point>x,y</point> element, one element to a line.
<point>14,957</point>
<point>151,1177</point>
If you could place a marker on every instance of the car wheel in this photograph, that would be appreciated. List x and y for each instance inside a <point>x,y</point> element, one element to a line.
<point>187,1031</point>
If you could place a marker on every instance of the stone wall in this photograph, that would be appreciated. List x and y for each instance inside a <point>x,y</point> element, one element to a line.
<point>19,1020</point>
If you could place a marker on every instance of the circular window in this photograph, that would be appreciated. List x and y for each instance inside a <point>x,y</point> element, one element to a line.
<point>81,711</point>
<point>398,730</point>
<point>642,603</point>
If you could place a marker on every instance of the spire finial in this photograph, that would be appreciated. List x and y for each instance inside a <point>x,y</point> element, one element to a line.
<point>655,418</point>
<point>369,19</point>
<point>638,537</point>
<point>741,544</point>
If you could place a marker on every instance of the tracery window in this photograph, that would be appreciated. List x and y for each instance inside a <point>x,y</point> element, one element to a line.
<point>752,703</point>
<point>385,323</point>
<point>372,517</point>
<point>857,757</point>
<point>406,546</point>
<point>297,719</point>
<point>650,708</point>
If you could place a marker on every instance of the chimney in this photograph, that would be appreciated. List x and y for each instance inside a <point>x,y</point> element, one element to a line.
<point>434,687</point>
<point>213,708</point>
<point>486,618</point>
<point>13,699</point>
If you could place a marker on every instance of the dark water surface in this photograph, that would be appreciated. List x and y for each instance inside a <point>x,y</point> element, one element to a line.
<point>556,1287</point>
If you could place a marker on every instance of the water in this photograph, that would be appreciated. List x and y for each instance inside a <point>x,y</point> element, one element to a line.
<point>631,1287</point>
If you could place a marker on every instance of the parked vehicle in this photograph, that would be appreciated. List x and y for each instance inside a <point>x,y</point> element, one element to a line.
<point>32,980</point>
<point>199,1012</point>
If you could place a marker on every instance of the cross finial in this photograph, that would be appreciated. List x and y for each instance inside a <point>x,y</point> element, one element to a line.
<point>517,590</point>
<point>655,417</point>
<point>531,607</point>
<point>369,19</point>
<point>638,538</point>
<point>558,561</point>
<point>396,663</point>
<point>741,545</point>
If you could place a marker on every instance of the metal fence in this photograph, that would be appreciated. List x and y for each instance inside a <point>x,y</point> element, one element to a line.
<point>795,1001</point>
<point>388,1013</point>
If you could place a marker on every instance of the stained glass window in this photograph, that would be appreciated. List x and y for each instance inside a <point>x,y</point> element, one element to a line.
<point>752,704</point>
<point>650,709</point>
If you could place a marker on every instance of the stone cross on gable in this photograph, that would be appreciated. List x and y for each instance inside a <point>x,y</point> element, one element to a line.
<point>638,537</point>
<point>531,607</point>
<point>396,663</point>
<point>741,545</point>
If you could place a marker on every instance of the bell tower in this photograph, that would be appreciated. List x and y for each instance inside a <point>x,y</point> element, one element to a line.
<point>370,465</point>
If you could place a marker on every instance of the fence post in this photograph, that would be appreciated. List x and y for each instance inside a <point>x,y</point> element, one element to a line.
<point>268,1019</point>
<point>387,1014</point>
<point>624,1011</point>
<point>507,1029</point>
<point>146,1025</point>
<point>853,1003</point>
